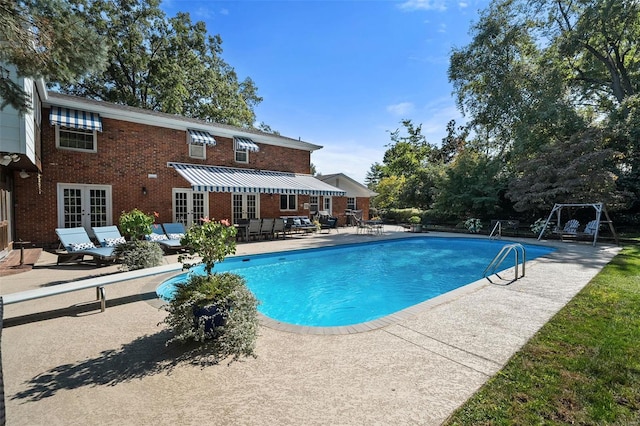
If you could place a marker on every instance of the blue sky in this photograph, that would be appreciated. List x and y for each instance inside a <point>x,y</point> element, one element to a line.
<point>342,74</point>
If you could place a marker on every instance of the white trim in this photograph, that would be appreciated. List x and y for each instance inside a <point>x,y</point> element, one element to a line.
<point>189,219</point>
<point>78,131</point>
<point>86,211</point>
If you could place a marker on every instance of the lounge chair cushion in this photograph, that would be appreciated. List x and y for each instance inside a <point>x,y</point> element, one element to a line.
<point>306,221</point>
<point>81,246</point>
<point>175,236</point>
<point>112,242</point>
<point>296,222</point>
<point>157,237</point>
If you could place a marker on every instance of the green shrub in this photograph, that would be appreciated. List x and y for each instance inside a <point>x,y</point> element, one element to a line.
<point>139,254</point>
<point>136,224</point>
<point>415,220</point>
<point>473,225</point>
<point>538,225</point>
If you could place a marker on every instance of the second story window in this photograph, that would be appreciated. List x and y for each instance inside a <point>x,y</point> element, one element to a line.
<point>198,140</point>
<point>242,147</point>
<point>75,129</point>
<point>76,139</point>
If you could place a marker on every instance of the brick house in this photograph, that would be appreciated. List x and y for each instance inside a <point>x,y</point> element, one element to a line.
<point>357,197</point>
<point>88,161</point>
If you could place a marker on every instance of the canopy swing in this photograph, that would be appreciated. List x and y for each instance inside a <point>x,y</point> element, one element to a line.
<point>592,228</point>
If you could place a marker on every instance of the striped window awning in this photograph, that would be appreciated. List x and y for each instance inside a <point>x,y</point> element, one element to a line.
<point>202,137</point>
<point>204,178</point>
<point>75,119</point>
<point>246,143</point>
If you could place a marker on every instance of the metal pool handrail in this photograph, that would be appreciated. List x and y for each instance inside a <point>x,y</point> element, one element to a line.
<point>516,248</point>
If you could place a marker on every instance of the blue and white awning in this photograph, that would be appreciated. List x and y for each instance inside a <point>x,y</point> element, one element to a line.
<point>75,119</point>
<point>200,136</point>
<point>246,143</point>
<point>204,178</point>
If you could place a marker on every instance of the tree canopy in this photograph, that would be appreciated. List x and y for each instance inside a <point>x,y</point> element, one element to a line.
<point>543,83</point>
<point>164,64</point>
<point>44,39</point>
<point>549,89</point>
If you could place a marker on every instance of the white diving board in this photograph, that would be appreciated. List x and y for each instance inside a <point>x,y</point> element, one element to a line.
<point>99,283</point>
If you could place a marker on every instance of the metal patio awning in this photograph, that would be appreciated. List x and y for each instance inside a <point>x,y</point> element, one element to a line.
<point>205,178</point>
<point>75,119</point>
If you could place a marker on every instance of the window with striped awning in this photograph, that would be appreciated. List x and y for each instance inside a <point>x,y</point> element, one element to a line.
<point>245,144</point>
<point>75,119</point>
<point>201,137</point>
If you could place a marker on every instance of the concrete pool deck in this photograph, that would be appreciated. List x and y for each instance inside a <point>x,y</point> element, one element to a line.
<point>66,363</point>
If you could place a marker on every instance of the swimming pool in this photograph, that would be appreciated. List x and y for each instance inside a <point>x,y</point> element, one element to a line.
<point>355,283</point>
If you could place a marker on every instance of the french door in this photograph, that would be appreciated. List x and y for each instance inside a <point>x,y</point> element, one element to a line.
<point>189,206</point>
<point>84,205</point>
<point>245,206</point>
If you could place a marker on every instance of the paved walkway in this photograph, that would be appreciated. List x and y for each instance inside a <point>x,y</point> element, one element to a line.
<point>65,363</point>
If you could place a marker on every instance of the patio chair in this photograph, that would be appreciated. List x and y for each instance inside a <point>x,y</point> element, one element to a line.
<point>174,232</point>
<point>77,243</point>
<point>254,228</point>
<point>279,228</point>
<point>266,228</point>
<point>328,222</point>
<point>158,235</point>
<point>108,236</point>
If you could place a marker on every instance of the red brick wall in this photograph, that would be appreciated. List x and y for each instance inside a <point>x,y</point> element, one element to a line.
<point>127,154</point>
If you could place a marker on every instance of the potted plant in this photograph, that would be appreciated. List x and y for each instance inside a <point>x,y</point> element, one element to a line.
<point>416,224</point>
<point>137,253</point>
<point>215,309</point>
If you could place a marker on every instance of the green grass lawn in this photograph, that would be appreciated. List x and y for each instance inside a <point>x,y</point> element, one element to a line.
<point>583,367</point>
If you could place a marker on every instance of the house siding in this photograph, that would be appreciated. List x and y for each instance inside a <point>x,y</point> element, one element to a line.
<point>127,153</point>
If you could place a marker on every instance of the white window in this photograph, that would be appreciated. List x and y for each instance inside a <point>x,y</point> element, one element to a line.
<point>197,150</point>
<point>288,202</point>
<point>76,139</point>
<point>242,154</point>
<point>351,203</point>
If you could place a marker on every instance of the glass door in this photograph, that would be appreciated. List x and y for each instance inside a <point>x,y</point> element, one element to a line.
<point>84,205</point>
<point>245,206</point>
<point>189,206</point>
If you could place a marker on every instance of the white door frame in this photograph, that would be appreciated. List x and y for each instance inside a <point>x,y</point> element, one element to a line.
<point>94,208</point>
<point>245,197</point>
<point>189,206</point>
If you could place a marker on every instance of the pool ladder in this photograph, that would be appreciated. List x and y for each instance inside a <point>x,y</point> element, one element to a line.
<point>517,249</point>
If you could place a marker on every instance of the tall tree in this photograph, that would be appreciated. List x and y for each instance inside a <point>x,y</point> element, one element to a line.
<point>165,64</point>
<point>44,39</point>
<point>542,75</point>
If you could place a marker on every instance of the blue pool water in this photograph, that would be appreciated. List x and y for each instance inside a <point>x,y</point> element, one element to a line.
<point>356,283</point>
